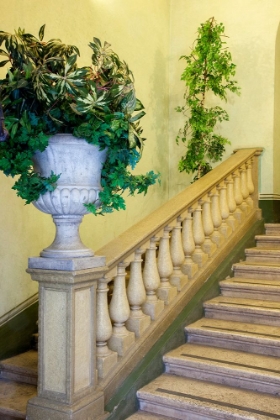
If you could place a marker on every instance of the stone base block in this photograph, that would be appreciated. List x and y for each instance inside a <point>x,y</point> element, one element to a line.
<point>167,293</point>
<point>209,247</point>
<point>199,258</point>
<point>90,408</point>
<point>239,215</point>
<point>66,264</point>
<point>226,230</point>
<point>153,308</point>
<point>121,342</point>
<point>232,222</point>
<point>106,362</point>
<point>178,280</point>
<point>245,208</point>
<point>190,269</point>
<point>138,324</point>
<point>217,238</point>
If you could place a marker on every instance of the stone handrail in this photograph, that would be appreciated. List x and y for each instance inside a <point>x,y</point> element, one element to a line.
<point>165,255</point>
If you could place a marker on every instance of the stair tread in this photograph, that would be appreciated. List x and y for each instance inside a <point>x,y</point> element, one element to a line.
<point>23,363</point>
<point>260,251</point>
<point>141,415</point>
<point>230,360</point>
<point>235,328</point>
<point>244,305</point>
<point>204,397</point>
<point>258,265</point>
<point>14,397</point>
<point>250,282</point>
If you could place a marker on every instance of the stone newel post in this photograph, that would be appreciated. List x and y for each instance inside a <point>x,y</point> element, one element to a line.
<point>67,344</point>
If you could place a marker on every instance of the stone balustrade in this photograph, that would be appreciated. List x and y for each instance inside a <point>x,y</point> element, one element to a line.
<point>160,258</point>
<point>153,267</point>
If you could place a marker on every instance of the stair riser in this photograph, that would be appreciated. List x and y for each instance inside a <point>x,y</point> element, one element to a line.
<point>274,231</point>
<point>190,411</point>
<point>268,244</point>
<point>262,259</point>
<point>7,415</point>
<point>171,413</point>
<point>251,273</point>
<point>218,374</point>
<point>242,317</point>
<point>250,294</point>
<point>19,378</point>
<point>234,343</point>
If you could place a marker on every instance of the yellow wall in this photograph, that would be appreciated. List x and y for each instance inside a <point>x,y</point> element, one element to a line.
<point>139,33</point>
<point>251,26</point>
<point>150,36</point>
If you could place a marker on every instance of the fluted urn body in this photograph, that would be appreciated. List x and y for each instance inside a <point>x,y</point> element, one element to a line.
<point>79,165</point>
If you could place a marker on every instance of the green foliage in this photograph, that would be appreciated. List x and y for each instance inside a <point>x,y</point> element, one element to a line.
<point>45,92</point>
<point>209,69</point>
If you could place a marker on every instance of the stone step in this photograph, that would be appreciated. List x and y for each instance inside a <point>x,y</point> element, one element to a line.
<point>141,415</point>
<point>272,228</point>
<point>21,368</point>
<point>229,367</point>
<point>183,398</point>
<point>259,254</point>
<point>13,399</point>
<point>253,338</point>
<point>271,242</point>
<point>262,289</point>
<point>257,270</point>
<point>243,310</point>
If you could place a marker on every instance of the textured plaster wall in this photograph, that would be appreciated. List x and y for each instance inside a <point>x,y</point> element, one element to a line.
<point>150,36</point>
<point>251,26</point>
<point>139,33</point>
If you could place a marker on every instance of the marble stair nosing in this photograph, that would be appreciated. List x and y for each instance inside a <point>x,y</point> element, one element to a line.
<point>192,399</point>
<point>243,310</point>
<point>259,289</point>
<point>229,367</point>
<point>254,338</point>
<point>257,270</point>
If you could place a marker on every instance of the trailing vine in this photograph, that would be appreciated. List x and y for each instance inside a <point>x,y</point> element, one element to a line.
<point>209,69</point>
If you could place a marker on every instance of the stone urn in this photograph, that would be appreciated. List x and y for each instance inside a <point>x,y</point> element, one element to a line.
<point>79,165</point>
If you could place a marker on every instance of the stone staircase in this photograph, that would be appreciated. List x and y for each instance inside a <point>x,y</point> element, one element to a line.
<point>229,367</point>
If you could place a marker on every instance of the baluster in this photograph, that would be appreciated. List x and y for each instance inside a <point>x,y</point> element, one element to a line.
<point>138,321</point>
<point>238,196</point>
<point>166,292</point>
<point>216,237</point>
<point>198,255</point>
<point>250,184</point>
<point>153,306</point>
<point>244,189</point>
<point>106,358</point>
<point>121,339</point>
<point>209,246</point>
<point>189,267</point>
<point>225,228</point>
<point>177,278</point>
<point>232,221</point>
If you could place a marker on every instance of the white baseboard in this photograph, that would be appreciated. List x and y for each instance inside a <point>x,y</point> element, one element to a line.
<point>18,309</point>
<point>269,196</point>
